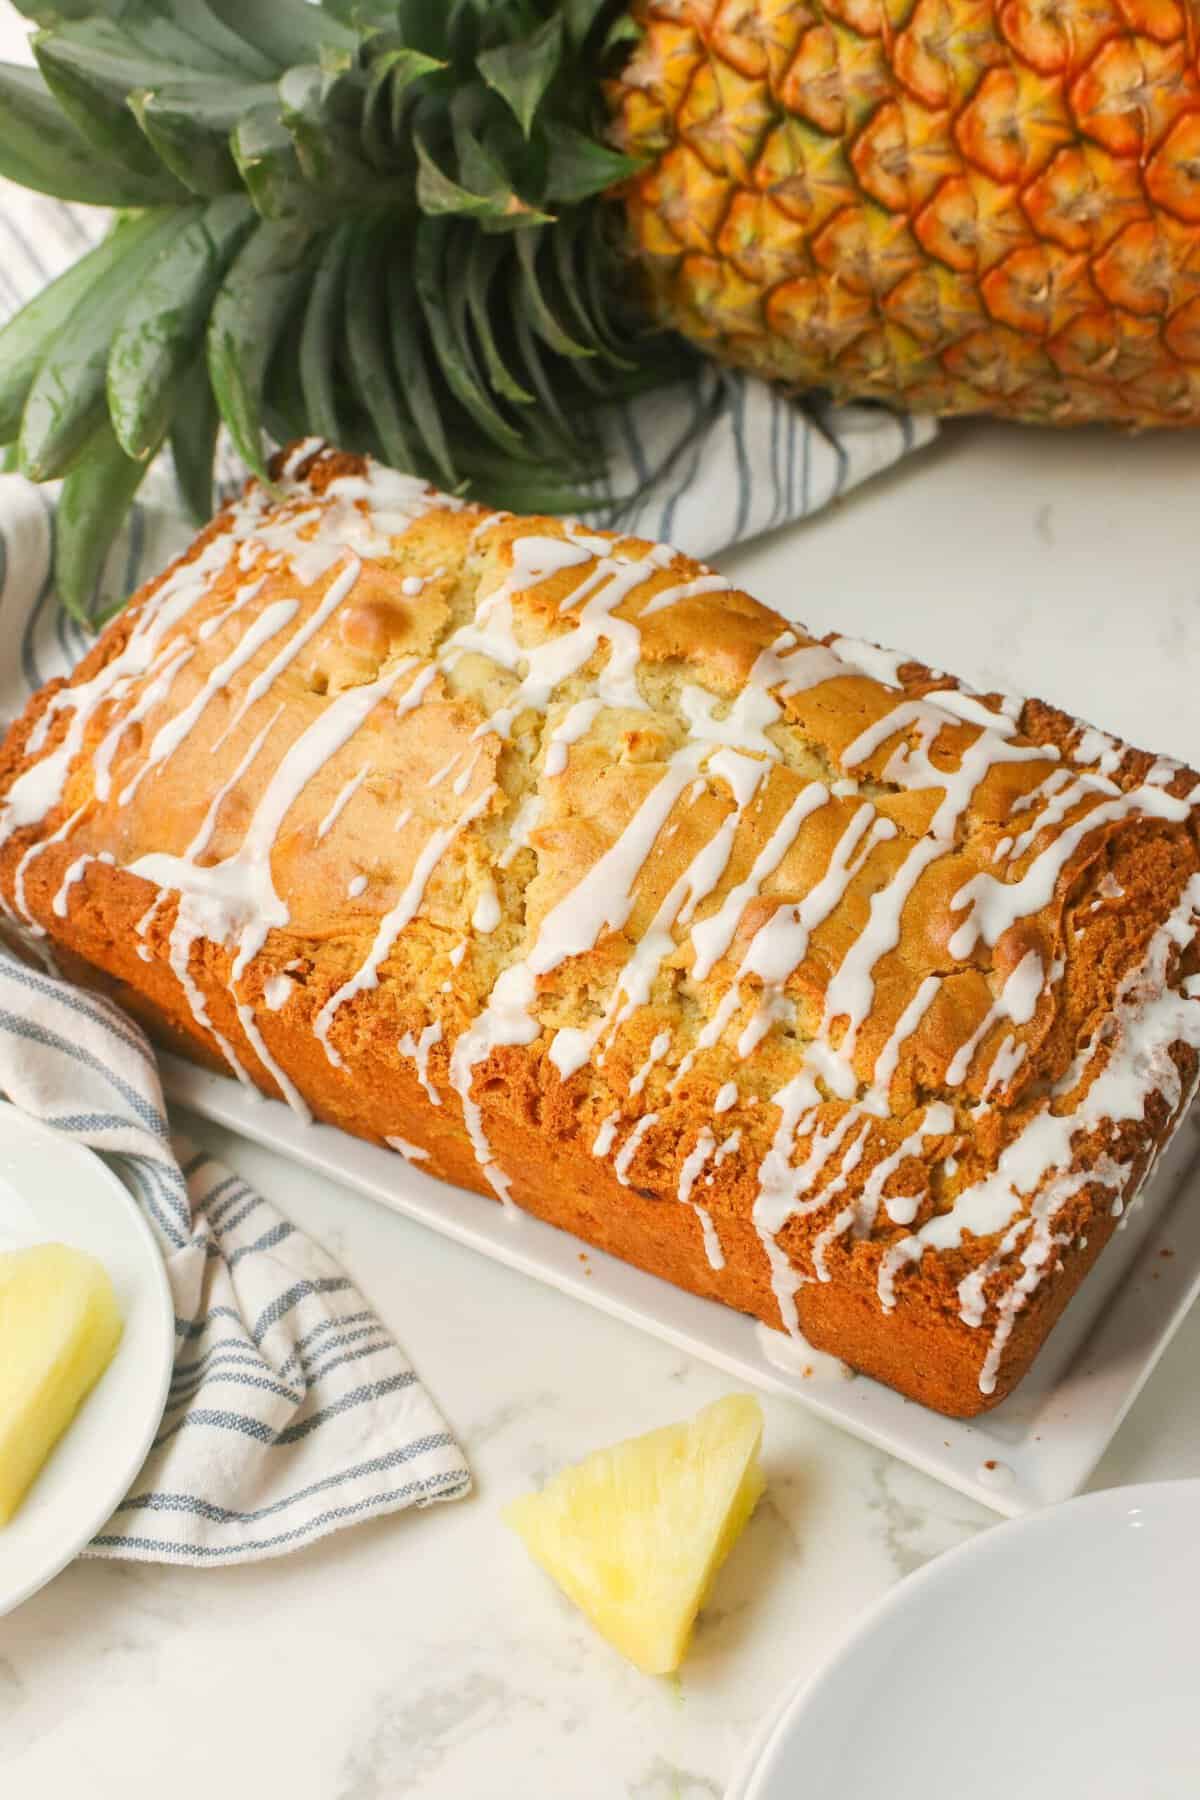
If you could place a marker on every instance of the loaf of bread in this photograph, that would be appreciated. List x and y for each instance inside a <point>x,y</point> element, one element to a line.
<point>789,970</point>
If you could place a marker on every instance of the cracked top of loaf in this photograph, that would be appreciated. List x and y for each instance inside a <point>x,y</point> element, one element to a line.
<point>790,927</point>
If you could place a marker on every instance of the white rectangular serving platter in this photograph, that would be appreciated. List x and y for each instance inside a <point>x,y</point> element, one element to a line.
<point>1042,1443</point>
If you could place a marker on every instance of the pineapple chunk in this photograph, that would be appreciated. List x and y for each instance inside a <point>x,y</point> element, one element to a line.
<point>635,1535</point>
<point>59,1328</point>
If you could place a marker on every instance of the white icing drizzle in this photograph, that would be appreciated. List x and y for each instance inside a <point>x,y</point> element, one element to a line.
<point>75,872</point>
<point>277,991</point>
<point>888,1060</point>
<point>417,1049</point>
<point>236,900</point>
<point>144,923</point>
<point>685,590</point>
<point>152,695</point>
<point>1017,1001</point>
<point>394,921</point>
<point>199,844</point>
<point>1036,1168</point>
<point>629,1148</point>
<point>577,720</point>
<point>263,683</point>
<point>36,849</point>
<point>342,800</point>
<point>413,1152</point>
<point>248,591</point>
<point>658,1049</point>
<point>487,914</point>
<point>994,906</point>
<point>169,736</point>
<point>356,888</point>
<point>524,822</point>
<point>712,937</point>
<point>603,1141</point>
<point>726,1097</point>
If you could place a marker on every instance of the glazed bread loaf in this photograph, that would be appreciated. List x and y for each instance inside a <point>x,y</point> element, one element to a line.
<point>789,970</point>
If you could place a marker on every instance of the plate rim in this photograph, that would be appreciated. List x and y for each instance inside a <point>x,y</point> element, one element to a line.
<point>107,1501</point>
<point>931,1575</point>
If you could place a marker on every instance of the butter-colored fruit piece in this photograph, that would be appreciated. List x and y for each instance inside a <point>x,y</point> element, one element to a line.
<point>635,1535</point>
<point>59,1328</point>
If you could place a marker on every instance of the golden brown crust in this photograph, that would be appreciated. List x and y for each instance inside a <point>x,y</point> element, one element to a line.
<point>822,995</point>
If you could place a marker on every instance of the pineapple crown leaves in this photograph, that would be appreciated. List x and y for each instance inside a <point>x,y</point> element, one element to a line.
<point>382,221</point>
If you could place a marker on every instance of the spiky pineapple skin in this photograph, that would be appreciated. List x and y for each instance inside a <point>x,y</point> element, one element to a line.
<point>962,205</point>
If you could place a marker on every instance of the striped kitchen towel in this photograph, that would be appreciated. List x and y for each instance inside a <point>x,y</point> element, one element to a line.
<point>292,1411</point>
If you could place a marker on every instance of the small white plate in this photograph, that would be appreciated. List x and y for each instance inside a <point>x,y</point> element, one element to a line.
<point>1037,1448</point>
<point>1048,1658</point>
<point>55,1191</point>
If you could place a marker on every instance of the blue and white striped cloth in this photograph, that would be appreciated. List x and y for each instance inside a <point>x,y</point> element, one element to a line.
<point>292,1410</point>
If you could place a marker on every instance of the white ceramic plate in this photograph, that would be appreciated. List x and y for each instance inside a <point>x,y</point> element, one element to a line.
<point>55,1191</point>
<point>1042,1443</point>
<point>1051,1658</point>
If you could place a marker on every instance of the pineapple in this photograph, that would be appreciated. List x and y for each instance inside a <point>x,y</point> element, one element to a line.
<point>445,231</point>
<point>59,1330</point>
<point>962,205</point>
<point>635,1535</point>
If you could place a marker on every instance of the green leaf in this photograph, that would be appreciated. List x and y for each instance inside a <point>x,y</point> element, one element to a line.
<point>371,368</point>
<point>444,307</point>
<point>66,399</point>
<point>588,307</point>
<point>43,149</point>
<point>266,158</point>
<point>321,337</point>
<point>578,167</point>
<point>327,149</point>
<point>92,506</point>
<point>283,398</point>
<point>484,259</point>
<point>284,32</point>
<point>546,390</point>
<point>363,16</point>
<point>194,427</point>
<point>463,28</point>
<point>520,73</point>
<point>625,29</point>
<point>170,31</point>
<point>499,207</point>
<point>412,369</point>
<point>91,68</point>
<point>391,73</point>
<point>543,320</point>
<point>189,122</point>
<point>251,308</point>
<point>233,51</point>
<point>437,193</point>
<point>29,334</point>
<point>580,16</point>
<point>410,67</point>
<point>164,323</point>
<point>422,23</point>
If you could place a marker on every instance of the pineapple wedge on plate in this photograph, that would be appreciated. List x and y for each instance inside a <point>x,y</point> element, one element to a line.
<point>59,1330</point>
<point>634,1535</point>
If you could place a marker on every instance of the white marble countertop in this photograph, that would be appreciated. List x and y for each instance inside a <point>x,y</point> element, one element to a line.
<point>425,1655</point>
